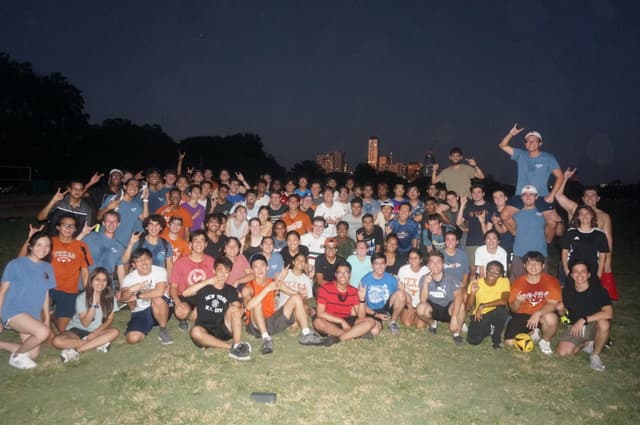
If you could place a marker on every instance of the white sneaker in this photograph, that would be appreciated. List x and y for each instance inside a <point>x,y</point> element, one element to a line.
<point>69,355</point>
<point>21,361</point>
<point>595,363</point>
<point>545,347</point>
<point>588,348</point>
<point>535,335</point>
<point>104,348</point>
<point>465,328</point>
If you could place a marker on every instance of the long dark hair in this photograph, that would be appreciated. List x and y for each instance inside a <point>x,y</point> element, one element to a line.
<point>106,297</point>
<point>35,238</point>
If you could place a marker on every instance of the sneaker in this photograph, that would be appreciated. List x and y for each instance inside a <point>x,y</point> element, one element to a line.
<point>465,328</point>
<point>433,330</point>
<point>595,363</point>
<point>368,335</point>
<point>69,355</point>
<point>588,348</point>
<point>331,340</point>
<point>545,347</point>
<point>609,343</point>
<point>311,339</point>
<point>458,340</point>
<point>164,337</point>
<point>535,335</point>
<point>104,348</point>
<point>21,361</point>
<point>267,346</point>
<point>183,325</point>
<point>239,352</point>
<point>247,346</point>
<point>496,346</point>
<point>492,328</point>
<point>394,328</point>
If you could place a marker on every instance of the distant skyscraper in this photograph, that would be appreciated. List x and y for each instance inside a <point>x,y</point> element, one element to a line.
<point>332,161</point>
<point>372,153</point>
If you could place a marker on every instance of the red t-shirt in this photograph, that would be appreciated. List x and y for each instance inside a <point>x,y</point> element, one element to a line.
<point>187,272</point>
<point>338,304</point>
<point>536,294</point>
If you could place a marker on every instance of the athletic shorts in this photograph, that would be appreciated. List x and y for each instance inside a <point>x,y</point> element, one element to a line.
<point>65,304</point>
<point>517,325</point>
<point>440,312</point>
<point>218,330</point>
<point>541,204</point>
<point>143,321</point>
<point>351,320</point>
<point>81,333</point>
<point>276,323</point>
<point>588,334</point>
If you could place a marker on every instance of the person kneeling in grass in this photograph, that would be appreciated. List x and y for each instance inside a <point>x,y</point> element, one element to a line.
<point>488,301</point>
<point>259,297</point>
<point>589,309</point>
<point>219,313</point>
<point>90,327</point>
<point>342,309</point>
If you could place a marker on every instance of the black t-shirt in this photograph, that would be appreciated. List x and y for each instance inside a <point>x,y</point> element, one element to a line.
<point>215,249</point>
<point>274,215</point>
<point>584,303</point>
<point>401,260</point>
<point>212,303</point>
<point>372,239</point>
<point>221,208</point>
<point>327,269</point>
<point>287,258</point>
<point>585,246</point>
<point>475,237</point>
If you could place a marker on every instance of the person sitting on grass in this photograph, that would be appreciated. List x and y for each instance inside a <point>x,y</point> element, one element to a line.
<point>385,298</point>
<point>297,280</point>
<point>24,300</point>
<point>145,289</point>
<point>264,320</point>
<point>219,313</point>
<point>90,327</point>
<point>533,301</point>
<point>341,310</point>
<point>590,312</point>
<point>441,298</point>
<point>187,271</point>
<point>487,301</point>
<point>409,277</point>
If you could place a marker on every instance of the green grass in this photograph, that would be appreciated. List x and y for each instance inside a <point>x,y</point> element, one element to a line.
<point>414,379</point>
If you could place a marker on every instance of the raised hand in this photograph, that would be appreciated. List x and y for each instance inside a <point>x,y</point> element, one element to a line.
<point>34,230</point>
<point>362,291</point>
<point>515,130</point>
<point>472,162</point>
<point>95,178</point>
<point>139,175</point>
<point>59,195</point>
<point>181,155</point>
<point>569,172</point>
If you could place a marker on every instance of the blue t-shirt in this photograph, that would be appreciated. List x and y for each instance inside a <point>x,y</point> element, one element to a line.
<point>358,269</point>
<point>29,283</point>
<point>274,265</point>
<point>456,265</point>
<point>529,232</point>
<point>534,171</point>
<point>157,199</point>
<point>372,207</point>
<point>160,251</point>
<point>106,252</point>
<point>130,222</point>
<point>407,233</point>
<point>379,290</point>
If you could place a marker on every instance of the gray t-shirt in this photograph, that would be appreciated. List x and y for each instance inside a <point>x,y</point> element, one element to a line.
<point>81,307</point>
<point>441,292</point>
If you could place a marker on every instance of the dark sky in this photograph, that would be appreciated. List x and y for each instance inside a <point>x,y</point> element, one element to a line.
<point>316,76</point>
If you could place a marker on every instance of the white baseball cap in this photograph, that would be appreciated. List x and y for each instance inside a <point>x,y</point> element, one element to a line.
<point>534,133</point>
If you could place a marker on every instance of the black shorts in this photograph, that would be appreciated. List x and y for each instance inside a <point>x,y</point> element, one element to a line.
<point>80,332</point>
<point>386,309</point>
<point>351,320</point>
<point>440,313</point>
<point>218,330</point>
<point>517,325</point>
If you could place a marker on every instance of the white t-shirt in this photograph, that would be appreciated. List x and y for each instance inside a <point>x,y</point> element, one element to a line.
<point>483,257</point>
<point>334,212</point>
<point>157,275</point>
<point>315,246</point>
<point>300,284</point>
<point>411,281</point>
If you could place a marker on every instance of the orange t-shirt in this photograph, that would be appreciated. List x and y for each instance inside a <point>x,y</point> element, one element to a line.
<point>301,223</point>
<point>67,259</point>
<point>180,248</point>
<point>268,302</point>
<point>187,222</point>
<point>536,294</point>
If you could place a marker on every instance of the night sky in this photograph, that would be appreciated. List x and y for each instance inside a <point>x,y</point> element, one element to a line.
<point>310,77</point>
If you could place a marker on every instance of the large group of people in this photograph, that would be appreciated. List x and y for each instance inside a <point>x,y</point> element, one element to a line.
<point>221,258</point>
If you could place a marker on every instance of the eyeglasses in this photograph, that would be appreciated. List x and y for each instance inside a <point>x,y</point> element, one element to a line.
<point>67,226</point>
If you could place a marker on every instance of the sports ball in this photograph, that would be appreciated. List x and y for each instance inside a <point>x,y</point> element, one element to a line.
<point>523,342</point>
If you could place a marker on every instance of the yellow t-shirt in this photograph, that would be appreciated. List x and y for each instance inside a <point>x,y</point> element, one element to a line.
<point>487,293</point>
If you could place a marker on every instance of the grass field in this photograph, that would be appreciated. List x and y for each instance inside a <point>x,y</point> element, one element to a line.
<point>413,379</point>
